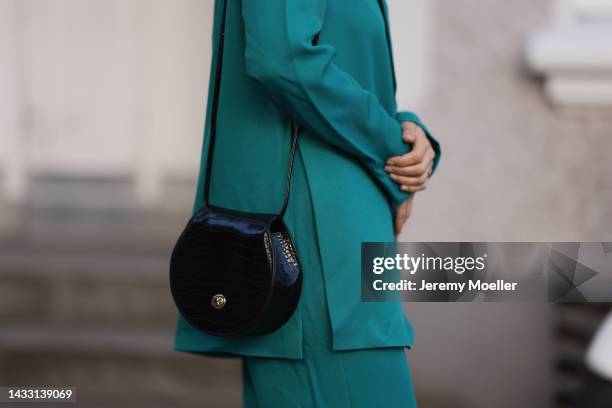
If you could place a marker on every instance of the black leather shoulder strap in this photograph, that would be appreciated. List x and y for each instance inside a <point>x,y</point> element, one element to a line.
<point>213,124</point>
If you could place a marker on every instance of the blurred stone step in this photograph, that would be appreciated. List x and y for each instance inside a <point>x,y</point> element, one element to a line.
<point>115,367</point>
<point>80,214</point>
<point>83,288</point>
<point>22,337</point>
<point>151,231</point>
<point>103,193</point>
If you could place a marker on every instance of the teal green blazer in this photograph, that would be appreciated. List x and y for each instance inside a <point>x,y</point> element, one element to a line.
<point>342,91</point>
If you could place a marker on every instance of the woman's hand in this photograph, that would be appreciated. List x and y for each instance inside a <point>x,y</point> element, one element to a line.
<point>412,170</point>
<point>402,213</point>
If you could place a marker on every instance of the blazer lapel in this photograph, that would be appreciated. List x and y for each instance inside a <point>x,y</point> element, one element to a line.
<point>385,13</point>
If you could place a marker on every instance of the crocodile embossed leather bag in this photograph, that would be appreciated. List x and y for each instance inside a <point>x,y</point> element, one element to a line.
<point>235,273</point>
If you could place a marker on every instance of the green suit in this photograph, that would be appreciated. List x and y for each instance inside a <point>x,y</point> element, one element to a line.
<point>342,91</point>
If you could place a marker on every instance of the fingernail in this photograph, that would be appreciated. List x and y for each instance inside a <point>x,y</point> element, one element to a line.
<point>391,162</point>
<point>387,168</point>
<point>393,176</point>
<point>404,188</point>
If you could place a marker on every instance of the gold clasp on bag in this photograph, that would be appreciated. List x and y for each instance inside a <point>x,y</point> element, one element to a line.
<point>218,301</point>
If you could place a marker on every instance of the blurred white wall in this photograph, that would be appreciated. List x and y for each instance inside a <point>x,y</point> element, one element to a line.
<point>112,88</point>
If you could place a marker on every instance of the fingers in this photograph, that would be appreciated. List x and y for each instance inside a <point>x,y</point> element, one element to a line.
<point>413,189</point>
<point>402,214</point>
<point>400,219</point>
<point>415,156</point>
<point>410,131</point>
<point>415,170</point>
<point>412,184</point>
<point>408,206</point>
<point>412,170</point>
<point>398,225</point>
<point>412,178</point>
<point>414,135</point>
<point>410,181</point>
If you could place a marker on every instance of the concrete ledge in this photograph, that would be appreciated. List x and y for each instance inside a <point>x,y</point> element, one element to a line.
<point>580,91</point>
<point>571,50</point>
<point>88,340</point>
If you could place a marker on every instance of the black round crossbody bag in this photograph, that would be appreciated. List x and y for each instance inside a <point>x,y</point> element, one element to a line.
<point>235,273</point>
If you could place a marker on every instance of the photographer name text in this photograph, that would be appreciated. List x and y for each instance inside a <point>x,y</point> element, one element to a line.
<point>425,286</point>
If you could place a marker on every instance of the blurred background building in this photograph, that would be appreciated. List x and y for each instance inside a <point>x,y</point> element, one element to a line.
<point>101,116</point>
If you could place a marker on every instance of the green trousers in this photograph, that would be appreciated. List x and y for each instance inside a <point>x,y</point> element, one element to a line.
<point>325,378</point>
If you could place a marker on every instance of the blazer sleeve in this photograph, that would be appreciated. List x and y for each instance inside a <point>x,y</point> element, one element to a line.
<point>304,80</point>
<point>406,116</point>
